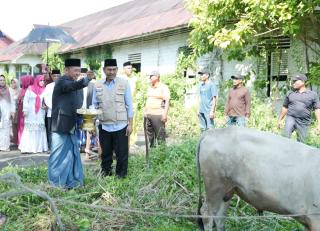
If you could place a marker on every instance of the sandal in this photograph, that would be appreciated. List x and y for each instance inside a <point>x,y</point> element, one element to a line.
<point>90,154</point>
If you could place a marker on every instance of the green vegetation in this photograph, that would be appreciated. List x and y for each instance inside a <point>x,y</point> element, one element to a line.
<point>169,185</point>
<point>51,57</point>
<point>238,26</point>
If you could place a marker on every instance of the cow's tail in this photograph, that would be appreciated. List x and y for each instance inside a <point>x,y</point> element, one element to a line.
<point>199,220</point>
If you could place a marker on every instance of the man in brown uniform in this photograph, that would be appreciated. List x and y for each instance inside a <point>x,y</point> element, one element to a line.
<point>237,109</point>
<point>156,109</point>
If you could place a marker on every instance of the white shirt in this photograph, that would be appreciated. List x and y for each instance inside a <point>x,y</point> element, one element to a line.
<point>84,104</point>
<point>48,91</point>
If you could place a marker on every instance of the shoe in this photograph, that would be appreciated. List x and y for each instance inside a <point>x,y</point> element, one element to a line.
<point>105,174</point>
<point>121,176</point>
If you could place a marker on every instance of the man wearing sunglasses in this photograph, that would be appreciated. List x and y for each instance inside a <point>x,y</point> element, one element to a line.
<point>297,108</point>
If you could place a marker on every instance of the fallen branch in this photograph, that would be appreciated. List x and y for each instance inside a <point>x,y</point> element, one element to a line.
<point>15,181</point>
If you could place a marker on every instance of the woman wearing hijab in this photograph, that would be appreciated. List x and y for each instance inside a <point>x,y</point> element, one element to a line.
<point>7,109</point>
<point>34,137</point>
<point>25,82</point>
<point>14,87</point>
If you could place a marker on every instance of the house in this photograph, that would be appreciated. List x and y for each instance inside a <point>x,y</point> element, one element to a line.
<point>19,59</point>
<point>150,34</point>
<point>147,33</point>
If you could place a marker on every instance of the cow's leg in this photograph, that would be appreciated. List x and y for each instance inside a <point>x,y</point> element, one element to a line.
<point>214,206</point>
<point>221,212</point>
<point>207,221</point>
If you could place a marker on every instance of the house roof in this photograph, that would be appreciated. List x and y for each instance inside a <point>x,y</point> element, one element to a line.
<point>5,40</point>
<point>129,20</point>
<point>123,22</point>
<point>18,49</point>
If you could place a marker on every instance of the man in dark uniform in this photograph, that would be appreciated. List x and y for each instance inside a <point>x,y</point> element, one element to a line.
<point>297,106</point>
<point>64,165</point>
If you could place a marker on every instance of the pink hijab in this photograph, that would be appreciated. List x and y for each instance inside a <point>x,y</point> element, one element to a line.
<point>25,82</point>
<point>37,89</point>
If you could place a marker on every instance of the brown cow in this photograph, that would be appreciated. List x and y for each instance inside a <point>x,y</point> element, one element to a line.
<point>268,171</point>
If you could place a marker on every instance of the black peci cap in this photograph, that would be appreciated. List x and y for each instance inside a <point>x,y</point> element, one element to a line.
<point>72,63</point>
<point>55,72</point>
<point>127,64</point>
<point>84,70</point>
<point>110,63</point>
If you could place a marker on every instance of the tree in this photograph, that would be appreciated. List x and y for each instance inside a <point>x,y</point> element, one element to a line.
<point>94,57</point>
<point>238,26</point>
<point>54,61</point>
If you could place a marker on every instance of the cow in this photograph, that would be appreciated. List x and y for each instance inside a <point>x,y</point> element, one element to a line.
<point>268,171</point>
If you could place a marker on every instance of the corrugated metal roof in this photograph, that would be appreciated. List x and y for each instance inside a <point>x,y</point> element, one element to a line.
<point>125,21</point>
<point>17,49</point>
<point>129,20</point>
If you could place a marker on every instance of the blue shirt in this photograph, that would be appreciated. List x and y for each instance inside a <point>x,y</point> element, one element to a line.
<point>128,103</point>
<point>207,92</point>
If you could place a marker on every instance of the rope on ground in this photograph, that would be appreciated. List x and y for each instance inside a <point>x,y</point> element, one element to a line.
<point>15,181</point>
<point>175,215</point>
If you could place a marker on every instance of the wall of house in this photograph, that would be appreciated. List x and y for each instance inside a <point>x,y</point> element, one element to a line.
<point>157,54</point>
<point>15,66</point>
<point>297,57</point>
<point>223,69</point>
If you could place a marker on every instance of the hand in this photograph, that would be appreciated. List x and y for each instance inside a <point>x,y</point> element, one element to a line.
<point>164,118</point>
<point>211,115</point>
<point>90,74</point>
<point>226,118</point>
<point>25,113</point>
<point>279,124</point>
<point>129,130</point>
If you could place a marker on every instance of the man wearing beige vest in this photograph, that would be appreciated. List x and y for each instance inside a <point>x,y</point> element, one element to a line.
<point>113,96</point>
<point>156,109</point>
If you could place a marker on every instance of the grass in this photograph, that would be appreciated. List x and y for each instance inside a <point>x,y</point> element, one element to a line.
<point>170,184</point>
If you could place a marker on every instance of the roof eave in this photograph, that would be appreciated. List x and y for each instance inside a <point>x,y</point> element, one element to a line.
<point>125,39</point>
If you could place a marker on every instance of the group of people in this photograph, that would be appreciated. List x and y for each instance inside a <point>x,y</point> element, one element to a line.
<point>22,114</point>
<point>40,117</point>
<point>297,107</point>
<point>238,103</point>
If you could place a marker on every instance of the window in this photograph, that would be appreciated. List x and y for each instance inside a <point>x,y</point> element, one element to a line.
<point>135,60</point>
<point>279,64</point>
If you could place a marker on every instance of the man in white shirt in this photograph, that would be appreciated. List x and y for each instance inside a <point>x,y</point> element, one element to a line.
<point>55,74</point>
